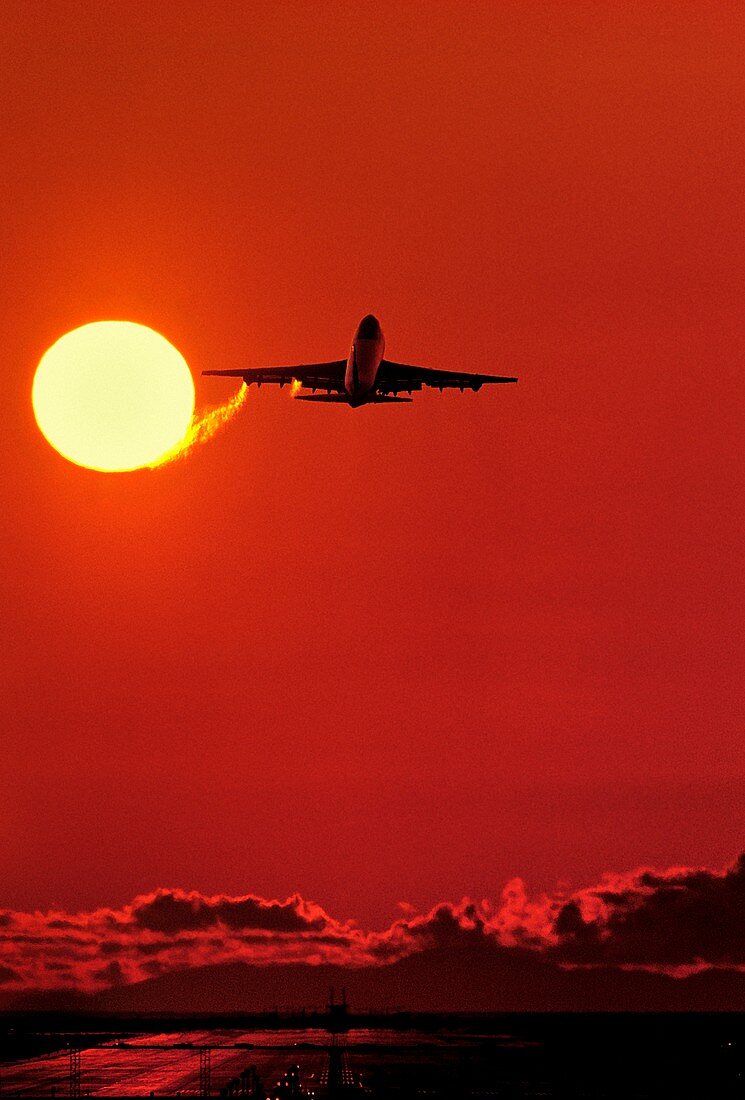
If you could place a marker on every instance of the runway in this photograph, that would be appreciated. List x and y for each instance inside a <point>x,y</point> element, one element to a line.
<point>170,1064</point>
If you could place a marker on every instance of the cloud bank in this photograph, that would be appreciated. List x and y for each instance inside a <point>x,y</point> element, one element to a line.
<point>677,921</point>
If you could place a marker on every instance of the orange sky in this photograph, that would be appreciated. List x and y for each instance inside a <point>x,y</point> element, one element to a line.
<point>394,652</point>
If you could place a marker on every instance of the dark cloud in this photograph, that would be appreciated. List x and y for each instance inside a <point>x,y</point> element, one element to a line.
<point>677,918</point>
<point>675,921</point>
<point>111,975</point>
<point>167,912</point>
<point>111,947</point>
<point>174,911</point>
<point>267,916</point>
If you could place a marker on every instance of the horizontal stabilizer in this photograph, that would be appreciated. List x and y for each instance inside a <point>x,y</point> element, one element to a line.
<point>337,397</point>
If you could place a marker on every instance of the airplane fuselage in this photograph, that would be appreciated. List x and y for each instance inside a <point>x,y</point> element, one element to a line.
<point>366,353</point>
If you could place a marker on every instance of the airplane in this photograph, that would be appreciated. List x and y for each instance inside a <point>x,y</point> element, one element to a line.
<point>363,378</point>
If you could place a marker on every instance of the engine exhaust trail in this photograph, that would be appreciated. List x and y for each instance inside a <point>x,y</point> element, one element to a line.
<point>203,427</point>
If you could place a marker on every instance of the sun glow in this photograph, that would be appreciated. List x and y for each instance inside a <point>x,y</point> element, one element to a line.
<point>113,395</point>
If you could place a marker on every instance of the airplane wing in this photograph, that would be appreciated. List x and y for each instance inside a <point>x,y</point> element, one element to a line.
<point>396,377</point>
<point>322,376</point>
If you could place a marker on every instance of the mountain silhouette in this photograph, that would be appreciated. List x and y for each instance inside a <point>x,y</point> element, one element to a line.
<point>476,977</point>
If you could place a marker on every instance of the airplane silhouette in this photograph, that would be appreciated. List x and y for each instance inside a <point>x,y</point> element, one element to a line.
<point>364,377</point>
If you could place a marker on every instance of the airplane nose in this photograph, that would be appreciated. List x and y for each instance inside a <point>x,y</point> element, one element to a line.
<point>368,328</point>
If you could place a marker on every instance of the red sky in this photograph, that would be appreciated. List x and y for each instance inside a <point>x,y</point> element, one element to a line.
<point>381,654</point>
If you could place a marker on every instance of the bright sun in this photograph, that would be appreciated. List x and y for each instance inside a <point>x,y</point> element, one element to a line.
<point>113,395</point>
